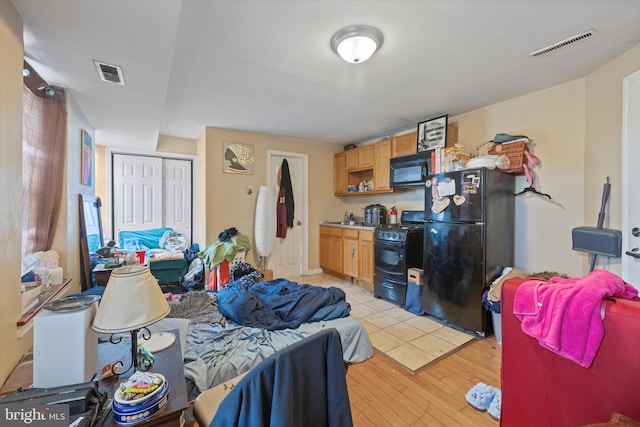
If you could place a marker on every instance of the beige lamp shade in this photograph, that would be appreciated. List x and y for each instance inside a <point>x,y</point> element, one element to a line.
<point>132,300</point>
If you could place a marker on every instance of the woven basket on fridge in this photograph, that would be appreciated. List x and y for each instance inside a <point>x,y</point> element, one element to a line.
<point>514,152</point>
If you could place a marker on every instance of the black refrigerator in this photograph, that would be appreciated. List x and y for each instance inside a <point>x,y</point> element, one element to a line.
<point>468,237</point>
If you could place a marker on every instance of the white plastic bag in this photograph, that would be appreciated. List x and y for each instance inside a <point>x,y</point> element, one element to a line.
<point>196,267</point>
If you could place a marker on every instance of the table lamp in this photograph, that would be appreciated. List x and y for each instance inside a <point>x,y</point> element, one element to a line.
<point>132,300</point>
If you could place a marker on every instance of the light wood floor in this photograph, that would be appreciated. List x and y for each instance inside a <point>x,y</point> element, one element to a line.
<point>384,394</point>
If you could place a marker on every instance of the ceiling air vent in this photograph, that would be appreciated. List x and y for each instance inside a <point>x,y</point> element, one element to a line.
<point>563,43</point>
<point>109,73</point>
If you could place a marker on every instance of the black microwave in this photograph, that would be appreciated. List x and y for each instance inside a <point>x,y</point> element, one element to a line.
<point>410,171</point>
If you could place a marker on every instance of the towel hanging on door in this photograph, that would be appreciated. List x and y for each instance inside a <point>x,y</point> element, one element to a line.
<point>285,205</point>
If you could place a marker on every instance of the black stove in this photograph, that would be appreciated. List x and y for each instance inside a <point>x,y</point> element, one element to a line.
<point>397,232</point>
<point>397,248</point>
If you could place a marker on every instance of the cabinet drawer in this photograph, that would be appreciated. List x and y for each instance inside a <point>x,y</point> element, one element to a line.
<point>366,235</point>
<point>331,231</point>
<point>350,233</point>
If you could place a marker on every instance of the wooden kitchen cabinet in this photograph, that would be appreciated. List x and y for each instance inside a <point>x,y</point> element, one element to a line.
<point>360,158</point>
<point>382,166</point>
<point>366,157</point>
<point>348,252</point>
<point>407,144</point>
<point>331,250</point>
<point>339,173</point>
<point>366,258</point>
<point>351,159</point>
<point>404,145</point>
<point>350,244</point>
<point>369,163</point>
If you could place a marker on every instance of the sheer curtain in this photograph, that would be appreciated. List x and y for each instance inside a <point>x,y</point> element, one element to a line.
<point>44,132</point>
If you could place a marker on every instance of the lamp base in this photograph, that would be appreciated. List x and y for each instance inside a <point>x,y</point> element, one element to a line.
<point>138,360</point>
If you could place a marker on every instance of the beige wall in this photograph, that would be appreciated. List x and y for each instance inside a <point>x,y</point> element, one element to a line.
<point>11,53</point>
<point>174,144</point>
<point>604,140</point>
<point>67,237</point>
<point>228,204</point>
<point>554,119</point>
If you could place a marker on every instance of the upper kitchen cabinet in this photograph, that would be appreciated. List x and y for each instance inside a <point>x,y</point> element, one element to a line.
<point>366,157</point>
<point>404,145</point>
<point>407,144</point>
<point>366,166</point>
<point>360,158</point>
<point>382,156</point>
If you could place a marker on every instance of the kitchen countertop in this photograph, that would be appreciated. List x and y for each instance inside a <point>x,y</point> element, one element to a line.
<point>341,225</point>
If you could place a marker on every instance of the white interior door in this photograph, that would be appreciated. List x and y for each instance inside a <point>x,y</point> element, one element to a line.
<point>137,193</point>
<point>177,196</point>
<point>630,180</point>
<point>289,255</point>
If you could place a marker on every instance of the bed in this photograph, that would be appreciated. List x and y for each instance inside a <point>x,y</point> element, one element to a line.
<point>225,337</point>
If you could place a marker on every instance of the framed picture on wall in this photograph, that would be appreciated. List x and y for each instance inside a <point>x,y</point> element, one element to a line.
<point>237,158</point>
<point>432,133</point>
<point>86,160</point>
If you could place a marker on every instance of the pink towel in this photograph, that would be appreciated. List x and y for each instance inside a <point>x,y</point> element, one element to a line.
<point>564,314</point>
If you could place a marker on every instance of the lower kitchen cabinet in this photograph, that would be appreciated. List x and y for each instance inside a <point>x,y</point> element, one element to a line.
<point>331,251</point>
<point>366,258</point>
<point>348,252</point>
<point>351,264</point>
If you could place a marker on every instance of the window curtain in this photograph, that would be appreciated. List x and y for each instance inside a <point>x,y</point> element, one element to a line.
<point>44,132</point>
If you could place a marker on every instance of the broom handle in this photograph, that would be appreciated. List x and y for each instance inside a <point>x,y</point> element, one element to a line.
<point>605,199</point>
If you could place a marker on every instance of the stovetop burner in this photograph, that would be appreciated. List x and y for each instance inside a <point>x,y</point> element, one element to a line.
<point>410,222</point>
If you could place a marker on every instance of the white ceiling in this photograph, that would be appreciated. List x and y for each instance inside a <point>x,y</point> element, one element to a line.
<point>266,65</point>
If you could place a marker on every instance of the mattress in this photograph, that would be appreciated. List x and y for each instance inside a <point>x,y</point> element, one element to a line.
<point>214,354</point>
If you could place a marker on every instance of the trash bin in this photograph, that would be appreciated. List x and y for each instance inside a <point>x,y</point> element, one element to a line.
<point>413,302</point>
<point>496,316</point>
<point>497,326</point>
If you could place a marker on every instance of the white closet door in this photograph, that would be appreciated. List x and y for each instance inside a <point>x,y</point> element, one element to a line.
<point>630,178</point>
<point>137,193</point>
<point>177,196</point>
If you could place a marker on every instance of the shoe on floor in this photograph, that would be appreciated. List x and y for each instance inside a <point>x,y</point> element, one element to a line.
<point>494,406</point>
<point>481,395</point>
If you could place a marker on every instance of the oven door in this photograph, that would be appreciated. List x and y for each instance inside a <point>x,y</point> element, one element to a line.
<point>390,259</point>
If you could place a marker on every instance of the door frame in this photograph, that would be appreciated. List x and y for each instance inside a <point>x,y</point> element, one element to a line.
<point>305,199</point>
<point>630,132</point>
<point>108,196</point>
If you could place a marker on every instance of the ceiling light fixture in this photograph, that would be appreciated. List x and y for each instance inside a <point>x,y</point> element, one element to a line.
<point>356,44</point>
<point>26,72</point>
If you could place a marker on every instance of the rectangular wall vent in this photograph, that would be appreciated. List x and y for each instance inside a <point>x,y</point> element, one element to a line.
<point>563,43</point>
<point>109,73</point>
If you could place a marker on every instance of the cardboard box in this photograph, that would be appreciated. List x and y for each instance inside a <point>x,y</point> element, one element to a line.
<point>268,275</point>
<point>414,275</point>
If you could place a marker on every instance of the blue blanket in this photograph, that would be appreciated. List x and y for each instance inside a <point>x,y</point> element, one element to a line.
<point>281,304</point>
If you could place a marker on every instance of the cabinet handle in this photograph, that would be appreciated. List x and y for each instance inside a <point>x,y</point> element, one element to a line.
<point>353,253</point>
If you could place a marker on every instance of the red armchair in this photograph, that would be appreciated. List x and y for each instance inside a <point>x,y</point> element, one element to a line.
<point>541,388</point>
